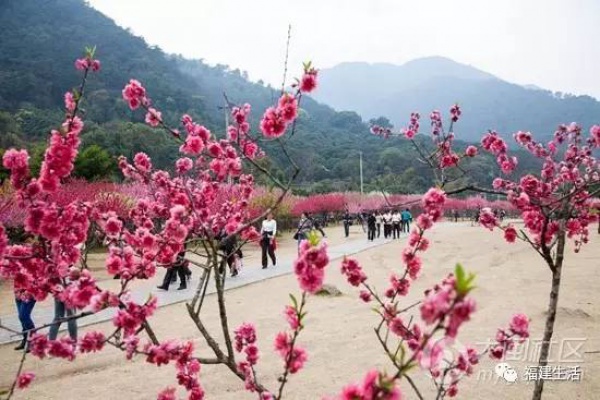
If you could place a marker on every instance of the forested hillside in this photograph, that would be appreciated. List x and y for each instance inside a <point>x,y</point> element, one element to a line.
<point>394,91</point>
<point>41,39</point>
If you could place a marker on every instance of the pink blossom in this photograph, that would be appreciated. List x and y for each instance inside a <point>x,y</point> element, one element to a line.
<point>353,271</point>
<point>17,161</point>
<point>142,162</point>
<point>510,234</point>
<point>62,348</point>
<point>308,83</point>
<point>424,221</point>
<point>460,314</point>
<point>455,112</point>
<point>432,355</point>
<point>24,379</point>
<point>251,354</point>
<point>595,134</point>
<point>452,391</point>
<point>183,165</point>
<point>399,285</point>
<point>365,296</point>
<point>244,335</point>
<point>82,64</point>
<point>519,325</point>
<point>69,102</point>
<point>435,306</point>
<point>167,394</point>
<point>309,267</point>
<point>374,386</point>
<point>288,107</point>
<point>292,317</point>
<point>96,65</point>
<point>487,218</point>
<point>282,343</point>
<point>91,342</point>
<point>113,227</point>
<point>471,151</point>
<point>134,93</point>
<point>153,117</point>
<point>409,133</point>
<point>273,124</point>
<point>193,145</point>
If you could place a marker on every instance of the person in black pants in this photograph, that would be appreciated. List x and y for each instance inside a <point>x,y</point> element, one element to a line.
<point>268,231</point>
<point>229,246</point>
<point>387,224</point>
<point>396,221</point>
<point>179,268</point>
<point>346,220</point>
<point>371,225</point>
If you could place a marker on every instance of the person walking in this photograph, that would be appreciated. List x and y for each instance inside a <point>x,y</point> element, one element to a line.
<point>406,217</point>
<point>25,304</point>
<point>304,227</point>
<point>396,220</point>
<point>179,268</point>
<point>232,253</point>
<point>60,311</point>
<point>455,215</point>
<point>378,223</point>
<point>346,219</point>
<point>317,225</point>
<point>387,224</point>
<point>371,226</point>
<point>268,231</point>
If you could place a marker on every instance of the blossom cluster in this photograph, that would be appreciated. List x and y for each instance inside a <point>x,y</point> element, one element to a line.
<point>276,119</point>
<point>375,386</point>
<point>310,265</point>
<point>245,343</point>
<point>43,265</point>
<point>506,339</point>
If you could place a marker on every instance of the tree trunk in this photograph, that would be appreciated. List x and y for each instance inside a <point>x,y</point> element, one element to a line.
<point>551,317</point>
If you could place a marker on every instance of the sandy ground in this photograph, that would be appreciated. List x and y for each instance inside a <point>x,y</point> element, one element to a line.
<point>339,335</point>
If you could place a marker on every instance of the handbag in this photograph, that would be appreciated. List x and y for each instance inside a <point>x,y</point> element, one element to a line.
<point>274,244</point>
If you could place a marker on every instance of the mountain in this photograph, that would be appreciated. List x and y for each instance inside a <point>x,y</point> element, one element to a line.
<point>42,38</point>
<point>426,84</point>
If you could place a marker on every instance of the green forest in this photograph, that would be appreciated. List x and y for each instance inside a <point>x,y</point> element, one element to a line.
<point>42,38</point>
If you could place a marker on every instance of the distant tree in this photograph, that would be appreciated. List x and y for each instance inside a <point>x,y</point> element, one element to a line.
<point>381,121</point>
<point>94,163</point>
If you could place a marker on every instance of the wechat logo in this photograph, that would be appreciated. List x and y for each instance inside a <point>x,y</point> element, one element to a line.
<point>503,370</point>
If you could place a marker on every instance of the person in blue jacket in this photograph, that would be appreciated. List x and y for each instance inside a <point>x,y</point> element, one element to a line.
<point>406,220</point>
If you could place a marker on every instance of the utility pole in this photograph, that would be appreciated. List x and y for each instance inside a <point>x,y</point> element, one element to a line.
<point>361,174</point>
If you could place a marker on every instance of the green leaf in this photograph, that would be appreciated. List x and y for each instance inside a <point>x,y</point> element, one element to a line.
<point>313,238</point>
<point>464,282</point>
<point>294,301</point>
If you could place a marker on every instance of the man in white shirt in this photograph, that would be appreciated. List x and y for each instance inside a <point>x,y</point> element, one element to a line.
<point>387,224</point>
<point>268,232</point>
<point>396,218</point>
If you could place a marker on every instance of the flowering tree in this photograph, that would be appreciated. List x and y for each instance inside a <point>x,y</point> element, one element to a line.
<point>555,205</point>
<point>207,198</point>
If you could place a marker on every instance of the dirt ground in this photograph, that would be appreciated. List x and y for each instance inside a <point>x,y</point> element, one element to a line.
<point>339,334</point>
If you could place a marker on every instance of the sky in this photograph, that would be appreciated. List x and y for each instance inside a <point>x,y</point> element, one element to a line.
<point>548,43</point>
